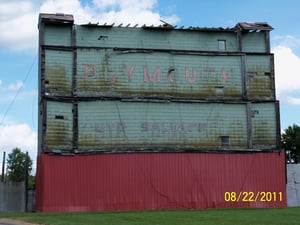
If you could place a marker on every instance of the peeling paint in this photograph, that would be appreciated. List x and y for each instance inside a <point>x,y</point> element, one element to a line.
<point>129,70</point>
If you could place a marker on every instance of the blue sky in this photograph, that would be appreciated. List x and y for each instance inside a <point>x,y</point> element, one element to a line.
<point>19,41</point>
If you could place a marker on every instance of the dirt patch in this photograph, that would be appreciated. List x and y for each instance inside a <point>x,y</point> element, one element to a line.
<point>14,222</point>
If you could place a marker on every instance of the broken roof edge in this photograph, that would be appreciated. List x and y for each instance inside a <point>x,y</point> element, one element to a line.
<point>61,18</point>
<point>253,26</point>
<point>57,18</point>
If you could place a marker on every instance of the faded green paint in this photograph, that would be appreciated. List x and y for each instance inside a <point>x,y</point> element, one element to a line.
<point>58,72</point>
<point>117,73</point>
<point>123,37</point>
<point>59,133</point>
<point>58,35</point>
<point>111,124</point>
<point>131,62</point>
<point>264,125</point>
<point>81,64</point>
<point>260,77</point>
<point>254,42</point>
<point>125,126</point>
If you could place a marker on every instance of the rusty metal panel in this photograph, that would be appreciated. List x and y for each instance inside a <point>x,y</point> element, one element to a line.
<point>153,181</point>
<point>59,132</point>
<point>150,126</point>
<point>265,130</point>
<point>133,73</point>
<point>58,18</point>
<point>260,77</point>
<point>258,26</point>
<point>58,72</point>
<point>139,38</point>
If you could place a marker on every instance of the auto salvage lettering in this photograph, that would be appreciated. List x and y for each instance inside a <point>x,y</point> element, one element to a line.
<point>152,127</point>
<point>191,75</point>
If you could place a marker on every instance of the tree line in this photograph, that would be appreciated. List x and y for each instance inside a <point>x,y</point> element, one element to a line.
<point>290,142</point>
<point>19,168</point>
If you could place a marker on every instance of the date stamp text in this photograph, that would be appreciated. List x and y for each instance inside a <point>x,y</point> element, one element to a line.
<point>250,196</point>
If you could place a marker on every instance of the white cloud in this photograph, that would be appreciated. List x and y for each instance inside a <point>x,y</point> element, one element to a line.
<point>287,73</point>
<point>131,11</point>
<point>81,14</point>
<point>120,5</point>
<point>18,19</point>
<point>21,136</point>
<point>15,86</point>
<point>289,41</point>
<point>293,100</point>
<point>18,25</point>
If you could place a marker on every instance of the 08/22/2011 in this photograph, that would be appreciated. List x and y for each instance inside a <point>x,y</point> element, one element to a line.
<point>250,196</point>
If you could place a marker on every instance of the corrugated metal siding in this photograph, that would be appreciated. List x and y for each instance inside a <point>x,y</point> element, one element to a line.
<point>122,37</point>
<point>157,181</point>
<point>260,77</point>
<point>58,35</point>
<point>105,88</point>
<point>58,72</point>
<point>161,126</point>
<point>254,42</point>
<point>125,73</point>
<point>147,125</point>
<point>264,125</point>
<point>137,64</point>
<point>59,132</point>
<point>109,71</point>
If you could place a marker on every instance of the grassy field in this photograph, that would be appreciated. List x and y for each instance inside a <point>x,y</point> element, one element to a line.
<point>285,216</point>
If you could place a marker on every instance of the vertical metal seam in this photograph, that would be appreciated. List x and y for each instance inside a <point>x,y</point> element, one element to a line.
<point>272,76</point>
<point>74,90</point>
<point>249,125</point>
<point>42,106</point>
<point>278,128</point>
<point>244,77</point>
<point>267,41</point>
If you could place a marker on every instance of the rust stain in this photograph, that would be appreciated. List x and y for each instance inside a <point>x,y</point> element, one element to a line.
<point>57,80</point>
<point>94,142</point>
<point>260,86</point>
<point>58,134</point>
<point>263,134</point>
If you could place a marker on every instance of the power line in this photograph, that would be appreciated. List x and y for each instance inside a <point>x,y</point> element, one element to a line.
<point>18,91</point>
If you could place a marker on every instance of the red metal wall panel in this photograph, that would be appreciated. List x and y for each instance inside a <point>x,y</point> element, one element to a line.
<point>143,181</point>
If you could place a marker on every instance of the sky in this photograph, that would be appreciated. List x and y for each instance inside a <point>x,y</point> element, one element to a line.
<point>19,44</point>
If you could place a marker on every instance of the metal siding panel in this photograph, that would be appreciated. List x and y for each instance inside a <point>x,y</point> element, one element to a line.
<point>264,125</point>
<point>59,133</point>
<point>113,125</point>
<point>52,32</point>
<point>128,37</point>
<point>157,181</point>
<point>125,73</point>
<point>58,73</point>
<point>260,78</point>
<point>254,42</point>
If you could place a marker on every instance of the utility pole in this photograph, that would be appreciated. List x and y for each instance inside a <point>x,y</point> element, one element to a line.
<point>26,182</point>
<point>3,166</point>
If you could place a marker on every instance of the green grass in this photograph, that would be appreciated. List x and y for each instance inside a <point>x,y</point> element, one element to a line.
<point>284,216</point>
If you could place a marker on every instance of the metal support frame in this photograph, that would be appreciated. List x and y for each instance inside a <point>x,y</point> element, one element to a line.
<point>74,99</point>
<point>244,77</point>
<point>278,127</point>
<point>74,91</point>
<point>249,125</point>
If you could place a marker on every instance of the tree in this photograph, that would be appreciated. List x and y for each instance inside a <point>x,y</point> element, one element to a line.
<point>16,165</point>
<point>290,141</point>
